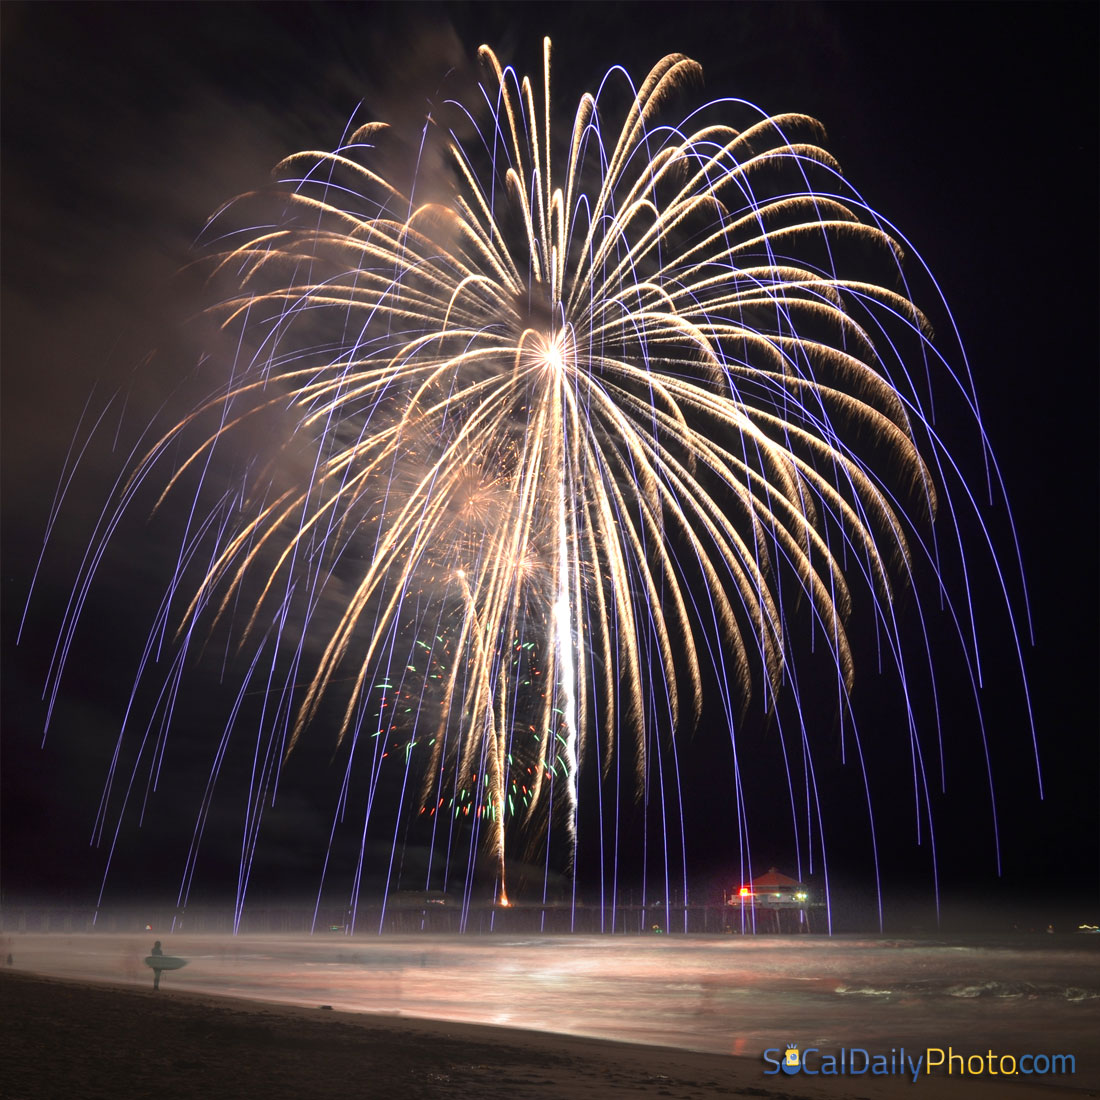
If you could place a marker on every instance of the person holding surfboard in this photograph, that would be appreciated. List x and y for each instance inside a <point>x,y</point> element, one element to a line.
<point>158,961</point>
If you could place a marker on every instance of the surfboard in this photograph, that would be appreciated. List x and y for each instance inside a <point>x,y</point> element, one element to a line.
<point>164,962</point>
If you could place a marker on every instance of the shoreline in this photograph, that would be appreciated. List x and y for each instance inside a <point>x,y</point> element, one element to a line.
<point>100,1040</point>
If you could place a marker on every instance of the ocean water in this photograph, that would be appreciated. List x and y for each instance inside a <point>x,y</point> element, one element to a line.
<point>727,994</point>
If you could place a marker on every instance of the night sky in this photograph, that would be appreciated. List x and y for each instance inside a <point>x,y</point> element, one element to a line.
<point>972,128</point>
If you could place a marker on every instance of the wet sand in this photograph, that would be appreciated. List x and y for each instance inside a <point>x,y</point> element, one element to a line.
<point>64,1038</point>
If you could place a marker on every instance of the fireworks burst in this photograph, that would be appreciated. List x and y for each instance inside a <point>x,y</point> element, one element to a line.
<point>563,437</point>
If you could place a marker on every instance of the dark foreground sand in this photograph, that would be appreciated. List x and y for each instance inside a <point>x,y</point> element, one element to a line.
<point>62,1039</point>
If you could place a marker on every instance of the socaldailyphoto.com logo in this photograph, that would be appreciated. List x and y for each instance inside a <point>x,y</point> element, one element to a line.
<point>915,1064</point>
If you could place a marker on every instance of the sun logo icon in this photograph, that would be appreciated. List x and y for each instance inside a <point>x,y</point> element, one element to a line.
<point>791,1060</point>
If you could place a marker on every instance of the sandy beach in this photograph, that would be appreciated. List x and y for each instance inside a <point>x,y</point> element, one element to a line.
<point>84,1039</point>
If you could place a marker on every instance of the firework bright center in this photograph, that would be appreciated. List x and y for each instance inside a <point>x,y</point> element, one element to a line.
<point>552,354</point>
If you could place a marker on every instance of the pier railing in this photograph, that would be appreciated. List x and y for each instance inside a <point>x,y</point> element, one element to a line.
<point>405,918</point>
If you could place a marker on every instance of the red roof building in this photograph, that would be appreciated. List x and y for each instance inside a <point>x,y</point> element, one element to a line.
<point>764,901</point>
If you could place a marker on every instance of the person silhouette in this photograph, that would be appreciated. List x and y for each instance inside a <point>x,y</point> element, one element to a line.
<point>157,951</point>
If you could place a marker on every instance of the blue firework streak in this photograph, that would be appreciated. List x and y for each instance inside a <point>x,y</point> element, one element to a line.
<point>548,441</point>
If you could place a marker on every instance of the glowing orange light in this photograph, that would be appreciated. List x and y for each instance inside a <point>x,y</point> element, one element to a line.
<point>744,892</point>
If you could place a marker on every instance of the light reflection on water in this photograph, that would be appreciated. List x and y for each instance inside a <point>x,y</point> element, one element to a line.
<point>726,994</point>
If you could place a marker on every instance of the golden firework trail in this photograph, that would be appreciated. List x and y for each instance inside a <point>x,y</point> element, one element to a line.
<point>562,434</point>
